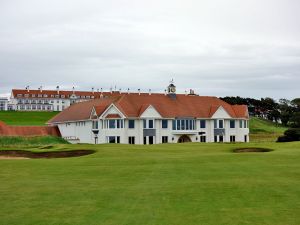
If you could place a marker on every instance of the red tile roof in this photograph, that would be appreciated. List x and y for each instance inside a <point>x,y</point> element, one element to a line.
<point>133,105</point>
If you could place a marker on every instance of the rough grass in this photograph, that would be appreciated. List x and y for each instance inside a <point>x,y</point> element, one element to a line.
<point>30,141</point>
<point>262,130</point>
<point>171,184</point>
<point>26,118</point>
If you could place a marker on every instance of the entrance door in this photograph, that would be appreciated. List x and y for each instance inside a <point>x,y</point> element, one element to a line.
<point>184,138</point>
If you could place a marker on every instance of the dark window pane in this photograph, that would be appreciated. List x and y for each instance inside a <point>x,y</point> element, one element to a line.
<point>131,124</point>
<point>202,123</point>
<point>164,123</point>
<point>232,123</point>
<point>220,123</point>
<point>150,123</point>
<point>112,124</point>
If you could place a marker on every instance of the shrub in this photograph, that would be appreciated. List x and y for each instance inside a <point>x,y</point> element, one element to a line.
<point>292,134</point>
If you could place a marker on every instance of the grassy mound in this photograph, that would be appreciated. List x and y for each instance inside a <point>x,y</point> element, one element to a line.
<point>26,118</point>
<point>262,130</point>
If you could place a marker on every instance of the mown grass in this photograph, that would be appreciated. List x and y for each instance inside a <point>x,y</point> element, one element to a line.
<point>171,184</point>
<point>26,118</point>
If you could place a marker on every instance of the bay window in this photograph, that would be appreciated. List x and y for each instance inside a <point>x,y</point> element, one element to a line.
<point>183,124</point>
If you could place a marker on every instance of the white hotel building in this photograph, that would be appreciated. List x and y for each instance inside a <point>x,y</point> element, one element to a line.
<point>3,104</point>
<point>51,100</point>
<point>145,118</point>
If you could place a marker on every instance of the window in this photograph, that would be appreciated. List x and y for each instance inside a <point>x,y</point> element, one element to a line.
<point>202,138</point>
<point>95,124</point>
<point>232,123</point>
<point>151,125</point>
<point>113,139</point>
<point>221,124</point>
<point>232,138</point>
<point>241,123</point>
<point>202,123</point>
<point>164,139</point>
<point>187,124</point>
<point>245,123</point>
<point>131,124</point>
<point>148,124</point>
<point>131,140</point>
<point>113,124</point>
<point>164,124</point>
<point>246,138</point>
<point>145,140</point>
<point>57,108</point>
<point>216,139</point>
<point>215,124</point>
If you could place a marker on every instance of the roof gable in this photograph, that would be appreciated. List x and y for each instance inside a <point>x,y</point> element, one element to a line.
<point>221,113</point>
<point>148,111</point>
<point>112,110</point>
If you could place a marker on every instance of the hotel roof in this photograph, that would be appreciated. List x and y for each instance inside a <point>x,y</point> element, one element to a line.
<point>134,104</point>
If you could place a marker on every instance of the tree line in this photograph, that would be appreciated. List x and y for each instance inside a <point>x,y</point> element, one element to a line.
<point>284,111</point>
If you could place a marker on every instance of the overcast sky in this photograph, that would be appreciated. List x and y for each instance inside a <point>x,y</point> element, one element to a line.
<point>249,48</point>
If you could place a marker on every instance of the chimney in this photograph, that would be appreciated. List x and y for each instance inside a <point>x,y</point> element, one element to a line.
<point>57,89</point>
<point>111,90</point>
<point>101,90</point>
<point>92,90</point>
<point>98,90</point>
<point>128,91</point>
<point>41,88</point>
<point>27,88</point>
<point>165,91</point>
<point>149,91</point>
<point>73,90</point>
<point>185,92</point>
<point>139,91</point>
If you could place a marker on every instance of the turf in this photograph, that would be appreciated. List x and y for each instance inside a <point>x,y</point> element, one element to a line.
<point>26,118</point>
<point>166,184</point>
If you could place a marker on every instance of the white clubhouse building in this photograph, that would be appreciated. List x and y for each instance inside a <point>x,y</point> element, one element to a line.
<point>152,118</point>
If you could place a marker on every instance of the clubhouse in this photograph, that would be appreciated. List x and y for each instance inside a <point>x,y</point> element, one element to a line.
<point>153,118</point>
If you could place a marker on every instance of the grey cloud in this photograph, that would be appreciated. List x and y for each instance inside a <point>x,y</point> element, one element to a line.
<point>217,48</point>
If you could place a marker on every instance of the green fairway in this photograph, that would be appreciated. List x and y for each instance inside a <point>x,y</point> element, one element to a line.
<point>26,118</point>
<point>163,184</point>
